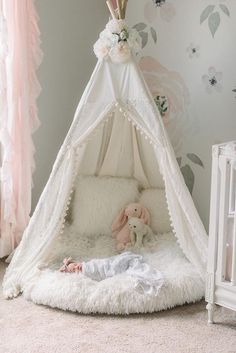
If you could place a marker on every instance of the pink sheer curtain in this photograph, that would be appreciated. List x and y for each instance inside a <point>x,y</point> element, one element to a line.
<point>20,56</point>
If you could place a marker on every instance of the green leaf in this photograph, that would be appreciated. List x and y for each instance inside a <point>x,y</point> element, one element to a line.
<point>225,9</point>
<point>188,177</point>
<point>144,36</point>
<point>214,22</point>
<point>140,26</point>
<point>195,159</point>
<point>206,12</point>
<point>179,160</point>
<point>154,34</point>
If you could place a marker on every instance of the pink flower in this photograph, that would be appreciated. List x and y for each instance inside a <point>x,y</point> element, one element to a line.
<point>167,83</point>
<point>166,9</point>
<point>120,53</point>
<point>100,50</point>
<point>163,82</point>
<point>167,12</point>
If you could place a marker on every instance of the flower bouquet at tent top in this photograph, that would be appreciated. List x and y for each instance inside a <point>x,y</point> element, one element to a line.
<point>118,42</point>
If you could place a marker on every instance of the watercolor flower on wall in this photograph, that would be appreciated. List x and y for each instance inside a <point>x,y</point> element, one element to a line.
<point>164,7</point>
<point>172,98</point>
<point>187,170</point>
<point>213,81</point>
<point>169,88</point>
<point>193,51</point>
<point>167,13</point>
<point>143,31</point>
<point>159,2</point>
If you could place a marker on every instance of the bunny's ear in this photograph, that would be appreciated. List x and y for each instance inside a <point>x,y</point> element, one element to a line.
<point>145,216</point>
<point>119,221</point>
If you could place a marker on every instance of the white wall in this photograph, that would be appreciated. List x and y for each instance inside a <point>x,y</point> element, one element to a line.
<point>68,31</point>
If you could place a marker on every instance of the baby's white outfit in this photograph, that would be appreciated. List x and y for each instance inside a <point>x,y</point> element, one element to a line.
<point>147,280</point>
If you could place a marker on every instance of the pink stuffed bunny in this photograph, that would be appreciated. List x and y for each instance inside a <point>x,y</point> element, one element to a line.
<point>120,228</point>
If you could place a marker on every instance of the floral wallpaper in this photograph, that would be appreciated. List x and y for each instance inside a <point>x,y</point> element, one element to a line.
<point>188,61</point>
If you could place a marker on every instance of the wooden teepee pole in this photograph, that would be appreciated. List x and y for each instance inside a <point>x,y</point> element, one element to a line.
<point>124,5</point>
<point>111,9</point>
<point>121,7</point>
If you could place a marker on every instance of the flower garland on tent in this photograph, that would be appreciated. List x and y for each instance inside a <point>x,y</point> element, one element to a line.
<point>118,42</point>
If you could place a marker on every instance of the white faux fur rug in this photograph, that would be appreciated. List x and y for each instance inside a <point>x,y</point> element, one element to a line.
<point>115,295</point>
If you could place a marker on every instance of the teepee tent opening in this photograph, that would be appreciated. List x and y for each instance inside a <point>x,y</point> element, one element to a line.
<point>117,134</point>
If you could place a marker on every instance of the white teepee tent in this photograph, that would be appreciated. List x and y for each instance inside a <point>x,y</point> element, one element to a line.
<point>117,131</point>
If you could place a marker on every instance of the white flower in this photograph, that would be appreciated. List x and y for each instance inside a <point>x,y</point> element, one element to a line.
<point>120,53</point>
<point>108,38</point>
<point>134,40</point>
<point>213,80</point>
<point>100,49</point>
<point>124,35</point>
<point>167,11</point>
<point>193,51</point>
<point>116,26</point>
<point>117,41</point>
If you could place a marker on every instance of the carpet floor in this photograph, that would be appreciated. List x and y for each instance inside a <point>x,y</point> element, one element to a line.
<point>29,328</point>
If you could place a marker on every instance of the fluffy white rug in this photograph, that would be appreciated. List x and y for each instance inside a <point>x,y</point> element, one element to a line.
<point>115,295</point>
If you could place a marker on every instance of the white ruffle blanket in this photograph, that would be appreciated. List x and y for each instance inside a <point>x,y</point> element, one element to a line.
<point>147,279</point>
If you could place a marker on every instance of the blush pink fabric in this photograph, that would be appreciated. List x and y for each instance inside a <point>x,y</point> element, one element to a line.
<point>114,3</point>
<point>19,118</point>
<point>120,228</point>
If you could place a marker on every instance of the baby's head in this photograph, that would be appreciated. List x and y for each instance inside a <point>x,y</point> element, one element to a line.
<point>135,224</point>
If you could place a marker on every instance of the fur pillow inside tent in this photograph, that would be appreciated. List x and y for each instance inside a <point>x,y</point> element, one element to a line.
<point>160,220</point>
<point>94,196</point>
<point>117,147</point>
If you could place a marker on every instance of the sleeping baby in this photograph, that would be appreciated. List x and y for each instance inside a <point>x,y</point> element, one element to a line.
<point>147,280</point>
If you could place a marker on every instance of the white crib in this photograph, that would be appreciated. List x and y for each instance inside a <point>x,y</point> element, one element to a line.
<point>221,268</point>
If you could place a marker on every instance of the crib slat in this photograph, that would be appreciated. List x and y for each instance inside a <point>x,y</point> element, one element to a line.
<point>232,187</point>
<point>223,217</point>
<point>233,272</point>
<point>221,288</point>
